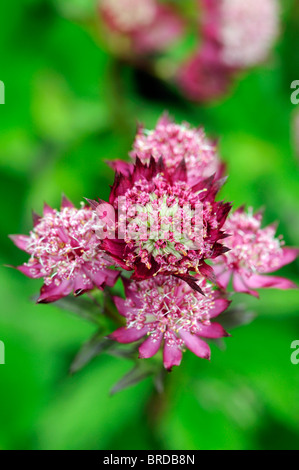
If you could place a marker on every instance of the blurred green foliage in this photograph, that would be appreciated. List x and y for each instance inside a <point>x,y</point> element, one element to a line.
<point>69,107</point>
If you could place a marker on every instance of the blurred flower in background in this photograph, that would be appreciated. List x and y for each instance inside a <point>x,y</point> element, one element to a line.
<point>140,26</point>
<point>231,36</point>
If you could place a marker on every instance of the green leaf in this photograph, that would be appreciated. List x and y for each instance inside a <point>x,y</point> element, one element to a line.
<point>133,377</point>
<point>95,346</point>
<point>81,306</point>
<point>235,317</point>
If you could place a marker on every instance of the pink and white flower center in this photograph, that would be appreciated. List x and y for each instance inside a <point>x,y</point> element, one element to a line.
<point>253,249</point>
<point>62,242</point>
<point>175,142</point>
<point>168,222</point>
<point>168,306</point>
<point>248,30</point>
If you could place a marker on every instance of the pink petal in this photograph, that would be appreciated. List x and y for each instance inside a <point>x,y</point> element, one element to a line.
<point>121,307</point>
<point>288,256</point>
<point>223,275</point>
<point>48,210</point>
<point>239,285</point>
<point>81,284</point>
<point>215,330</point>
<point>219,306</point>
<point>195,344</point>
<point>33,271</point>
<point>259,281</point>
<point>53,292</point>
<point>128,335</point>
<point>111,277</point>
<point>65,202</point>
<point>21,241</point>
<point>150,346</point>
<point>172,356</point>
<point>130,293</point>
<point>102,277</point>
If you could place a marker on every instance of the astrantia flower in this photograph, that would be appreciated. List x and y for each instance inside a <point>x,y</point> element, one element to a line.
<point>254,251</point>
<point>128,15</point>
<point>171,227</point>
<point>203,77</point>
<point>64,251</point>
<point>148,25</point>
<point>245,31</point>
<point>174,142</point>
<point>168,312</point>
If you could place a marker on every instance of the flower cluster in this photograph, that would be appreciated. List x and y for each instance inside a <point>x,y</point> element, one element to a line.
<point>165,228</point>
<point>232,36</point>
<point>236,35</point>
<point>64,251</point>
<point>167,309</point>
<point>140,26</point>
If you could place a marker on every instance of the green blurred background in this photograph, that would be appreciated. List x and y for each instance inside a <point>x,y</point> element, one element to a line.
<point>69,107</point>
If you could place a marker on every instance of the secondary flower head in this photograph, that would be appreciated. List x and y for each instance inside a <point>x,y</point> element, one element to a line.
<point>64,251</point>
<point>167,311</point>
<point>148,25</point>
<point>254,251</point>
<point>170,226</point>
<point>204,77</point>
<point>174,142</point>
<point>128,15</point>
<point>244,31</point>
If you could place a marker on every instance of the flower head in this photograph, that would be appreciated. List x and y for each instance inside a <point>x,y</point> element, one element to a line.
<point>171,227</point>
<point>204,77</point>
<point>254,251</point>
<point>174,142</point>
<point>128,16</point>
<point>64,251</point>
<point>146,24</point>
<point>244,31</point>
<point>167,311</point>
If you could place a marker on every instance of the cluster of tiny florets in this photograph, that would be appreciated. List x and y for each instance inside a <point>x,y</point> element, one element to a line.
<point>169,305</point>
<point>61,242</point>
<point>174,143</point>
<point>157,212</point>
<point>247,30</point>
<point>162,222</point>
<point>252,248</point>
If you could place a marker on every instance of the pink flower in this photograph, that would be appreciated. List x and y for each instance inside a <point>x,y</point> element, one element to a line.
<point>254,251</point>
<point>244,31</point>
<point>174,143</point>
<point>166,310</point>
<point>235,35</point>
<point>171,227</point>
<point>64,251</point>
<point>203,77</point>
<point>148,25</point>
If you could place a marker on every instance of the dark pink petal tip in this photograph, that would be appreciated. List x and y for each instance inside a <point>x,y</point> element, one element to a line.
<point>172,356</point>
<point>21,241</point>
